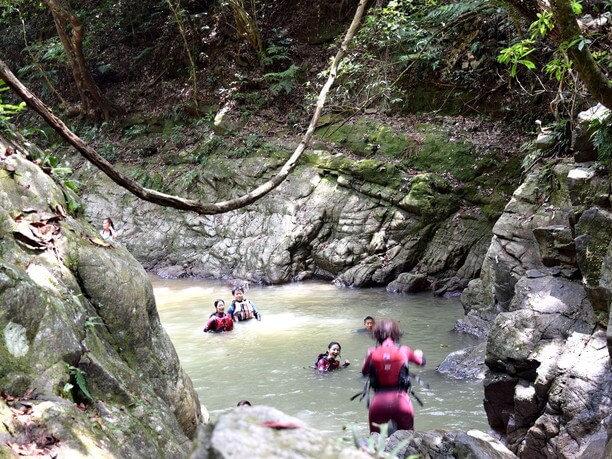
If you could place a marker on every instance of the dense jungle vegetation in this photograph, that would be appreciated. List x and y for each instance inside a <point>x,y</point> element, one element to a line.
<point>190,79</point>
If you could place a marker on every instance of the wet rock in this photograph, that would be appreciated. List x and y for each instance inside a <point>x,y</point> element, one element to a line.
<point>556,244</point>
<point>465,363</point>
<point>594,254</point>
<point>409,283</point>
<point>582,141</point>
<point>172,272</point>
<point>445,444</point>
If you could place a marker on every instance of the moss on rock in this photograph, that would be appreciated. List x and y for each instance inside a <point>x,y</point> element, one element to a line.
<point>365,138</point>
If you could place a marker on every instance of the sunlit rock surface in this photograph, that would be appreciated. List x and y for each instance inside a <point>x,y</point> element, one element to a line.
<point>86,369</point>
<point>543,299</point>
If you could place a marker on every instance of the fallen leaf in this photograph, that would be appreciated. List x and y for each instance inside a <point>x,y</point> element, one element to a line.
<point>98,241</point>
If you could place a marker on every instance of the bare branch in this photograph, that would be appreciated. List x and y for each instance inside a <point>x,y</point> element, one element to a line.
<point>174,201</point>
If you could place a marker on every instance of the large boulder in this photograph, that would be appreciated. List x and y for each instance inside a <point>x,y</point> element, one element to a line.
<point>261,432</point>
<point>447,444</point>
<point>465,363</point>
<point>83,355</point>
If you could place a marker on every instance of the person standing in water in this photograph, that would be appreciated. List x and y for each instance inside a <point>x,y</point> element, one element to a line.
<point>219,321</point>
<point>328,361</point>
<point>108,230</point>
<point>242,308</point>
<point>387,367</point>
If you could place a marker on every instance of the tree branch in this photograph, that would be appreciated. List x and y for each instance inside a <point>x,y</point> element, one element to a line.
<point>174,201</point>
<point>593,78</point>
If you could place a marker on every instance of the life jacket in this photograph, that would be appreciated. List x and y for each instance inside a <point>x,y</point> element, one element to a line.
<point>243,310</point>
<point>333,364</point>
<point>219,324</point>
<point>389,369</point>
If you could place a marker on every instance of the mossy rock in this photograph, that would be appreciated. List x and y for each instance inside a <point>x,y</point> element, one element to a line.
<point>440,154</point>
<point>430,196</point>
<point>368,170</point>
<point>366,138</point>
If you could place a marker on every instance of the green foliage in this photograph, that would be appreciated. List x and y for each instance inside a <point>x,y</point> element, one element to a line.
<point>153,180</point>
<point>250,145</point>
<point>188,179</point>
<point>74,204</point>
<point>558,67</point>
<point>375,447</point>
<point>283,81</point>
<point>180,17</point>
<point>78,376</point>
<point>516,55</point>
<point>48,51</point>
<point>602,138</point>
<point>206,149</point>
<point>576,7</point>
<point>453,11</point>
<point>92,322</point>
<point>8,110</point>
<point>400,44</point>
<point>278,50</point>
<point>542,25</point>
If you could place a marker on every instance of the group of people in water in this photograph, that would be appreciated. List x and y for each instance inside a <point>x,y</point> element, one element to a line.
<point>385,364</point>
<point>240,309</point>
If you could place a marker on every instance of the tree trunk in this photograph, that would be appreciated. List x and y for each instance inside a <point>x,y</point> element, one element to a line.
<point>566,30</point>
<point>593,78</point>
<point>92,100</point>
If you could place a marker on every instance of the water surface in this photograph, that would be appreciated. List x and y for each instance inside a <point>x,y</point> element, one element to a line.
<point>268,362</point>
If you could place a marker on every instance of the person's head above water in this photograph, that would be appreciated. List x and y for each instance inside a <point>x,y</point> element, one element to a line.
<point>333,349</point>
<point>387,329</point>
<point>244,403</point>
<point>368,323</point>
<point>238,293</point>
<point>220,305</point>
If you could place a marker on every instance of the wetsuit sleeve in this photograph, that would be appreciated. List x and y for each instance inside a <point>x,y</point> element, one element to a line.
<point>414,356</point>
<point>365,368</point>
<point>230,310</point>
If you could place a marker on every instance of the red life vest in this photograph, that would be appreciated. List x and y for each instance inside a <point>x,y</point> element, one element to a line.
<point>325,363</point>
<point>219,324</point>
<point>389,369</point>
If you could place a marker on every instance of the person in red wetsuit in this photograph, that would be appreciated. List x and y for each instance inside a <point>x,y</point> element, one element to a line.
<point>219,321</point>
<point>329,360</point>
<point>387,367</point>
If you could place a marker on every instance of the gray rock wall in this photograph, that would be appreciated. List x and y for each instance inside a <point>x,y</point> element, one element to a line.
<point>543,300</point>
<point>320,222</point>
<point>83,356</point>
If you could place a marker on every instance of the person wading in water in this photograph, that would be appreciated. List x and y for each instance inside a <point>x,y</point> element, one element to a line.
<point>219,321</point>
<point>329,360</point>
<point>386,365</point>
<point>242,309</point>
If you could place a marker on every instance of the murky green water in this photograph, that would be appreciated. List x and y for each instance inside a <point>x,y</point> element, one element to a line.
<point>267,362</point>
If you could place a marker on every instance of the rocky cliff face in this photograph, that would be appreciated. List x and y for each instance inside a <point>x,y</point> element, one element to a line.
<point>86,369</point>
<point>543,299</point>
<point>358,222</point>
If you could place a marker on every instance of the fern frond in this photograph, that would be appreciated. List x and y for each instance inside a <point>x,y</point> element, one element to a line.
<point>454,11</point>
